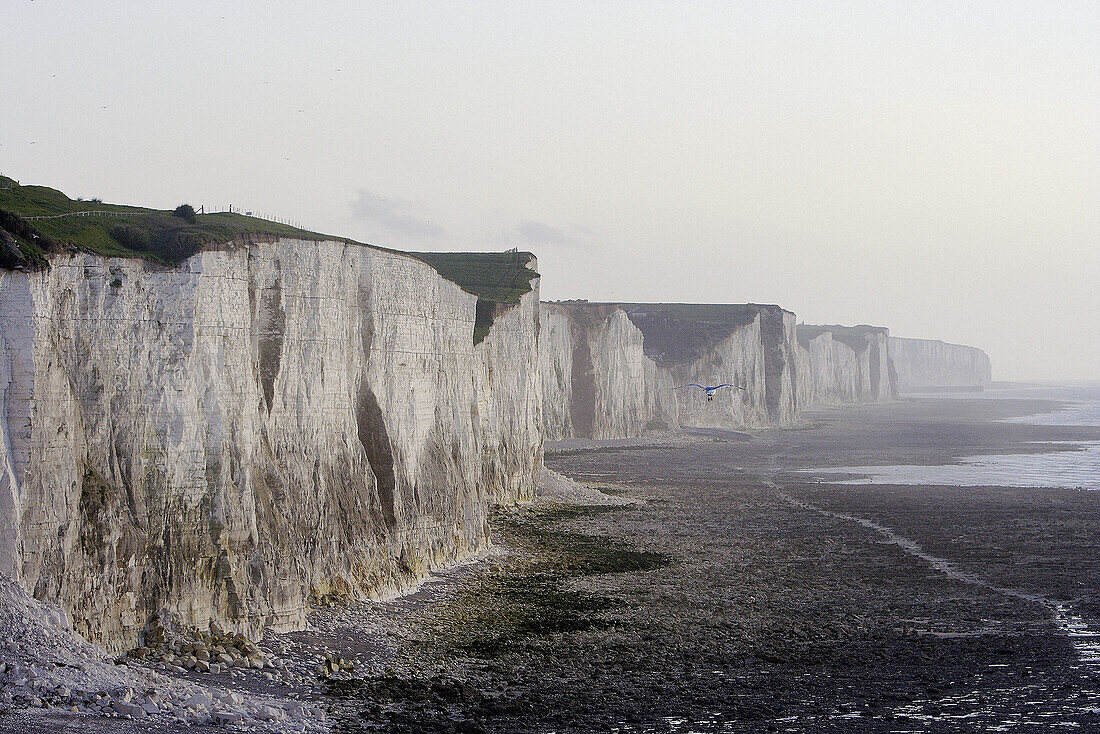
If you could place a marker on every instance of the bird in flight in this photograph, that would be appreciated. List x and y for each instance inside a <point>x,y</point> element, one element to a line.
<point>709,389</point>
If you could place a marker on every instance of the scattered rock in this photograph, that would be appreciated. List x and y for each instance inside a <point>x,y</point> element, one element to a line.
<point>127,709</point>
<point>227,717</point>
<point>200,700</point>
<point>267,713</point>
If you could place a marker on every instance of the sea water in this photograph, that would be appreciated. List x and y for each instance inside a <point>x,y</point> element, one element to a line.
<point>1072,464</point>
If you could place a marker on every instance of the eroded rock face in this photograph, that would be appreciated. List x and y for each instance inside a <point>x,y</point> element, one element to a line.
<point>597,381</point>
<point>509,405</point>
<point>844,365</point>
<point>760,357</point>
<point>610,370</point>
<point>929,363</point>
<point>259,429</point>
<point>556,369</point>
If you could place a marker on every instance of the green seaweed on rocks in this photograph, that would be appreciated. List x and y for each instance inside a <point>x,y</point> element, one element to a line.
<point>527,601</point>
<point>502,612</point>
<point>573,553</point>
<point>532,598</point>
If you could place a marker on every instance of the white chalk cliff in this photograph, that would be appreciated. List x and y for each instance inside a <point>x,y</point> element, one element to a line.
<point>261,428</point>
<point>758,356</point>
<point>273,425</point>
<point>610,370</point>
<point>838,364</point>
<point>596,379</point>
<point>928,363</point>
<point>510,405</point>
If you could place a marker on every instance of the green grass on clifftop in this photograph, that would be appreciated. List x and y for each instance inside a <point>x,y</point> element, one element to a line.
<point>498,279</point>
<point>114,230</point>
<point>37,221</point>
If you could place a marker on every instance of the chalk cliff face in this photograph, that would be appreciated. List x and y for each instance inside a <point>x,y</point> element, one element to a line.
<point>839,364</point>
<point>509,402</point>
<point>610,370</point>
<point>597,381</point>
<point>754,349</point>
<point>556,368</point>
<point>925,363</point>
<point>257,429</point>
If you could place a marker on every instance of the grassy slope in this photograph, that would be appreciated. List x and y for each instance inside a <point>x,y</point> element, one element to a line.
<point>496,278</point>
<point>160,236</point>
<point>120,231</point>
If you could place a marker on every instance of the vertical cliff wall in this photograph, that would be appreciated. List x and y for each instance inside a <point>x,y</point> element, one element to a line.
<point>753,347</point>
<point>510,403</point>
<point>843,364</point>
<point>597,381</point>
<point>556,368</point>
<point>610,370</point>
<point>928,363</point>
<point>261,428</point>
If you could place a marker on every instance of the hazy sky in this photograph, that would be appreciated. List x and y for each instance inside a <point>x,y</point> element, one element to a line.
<point>933,167</point>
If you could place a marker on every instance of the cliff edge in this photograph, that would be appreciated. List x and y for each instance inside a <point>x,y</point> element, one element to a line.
<point>268,423</point>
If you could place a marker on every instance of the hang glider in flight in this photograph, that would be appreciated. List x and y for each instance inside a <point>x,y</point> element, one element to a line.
<point>709,389</point>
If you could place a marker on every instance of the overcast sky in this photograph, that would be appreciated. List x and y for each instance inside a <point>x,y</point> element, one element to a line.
<point>933,167</point>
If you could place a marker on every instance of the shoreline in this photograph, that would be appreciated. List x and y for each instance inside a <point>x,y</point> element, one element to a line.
<point>772,618</point>
<point>714,604</point>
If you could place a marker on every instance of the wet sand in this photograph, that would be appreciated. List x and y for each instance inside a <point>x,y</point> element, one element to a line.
<point>779,603</point>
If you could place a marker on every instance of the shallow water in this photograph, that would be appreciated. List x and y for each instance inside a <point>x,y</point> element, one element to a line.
<point>1071,465</point>
<point>1075,413</point>
<point>1075,465</point>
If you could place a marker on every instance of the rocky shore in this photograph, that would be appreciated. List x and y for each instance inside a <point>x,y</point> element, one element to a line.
<point>722,587</point>
<point>736,596</point>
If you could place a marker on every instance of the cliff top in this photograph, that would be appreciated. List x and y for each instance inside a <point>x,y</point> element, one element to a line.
<point>496,278</point>
<point>678,333</point>
<point>937,341</point>
<point>854,336</point>
<point>37,221</point>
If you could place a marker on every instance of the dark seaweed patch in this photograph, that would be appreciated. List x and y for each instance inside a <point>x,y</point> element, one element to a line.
<point>503,611</point>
